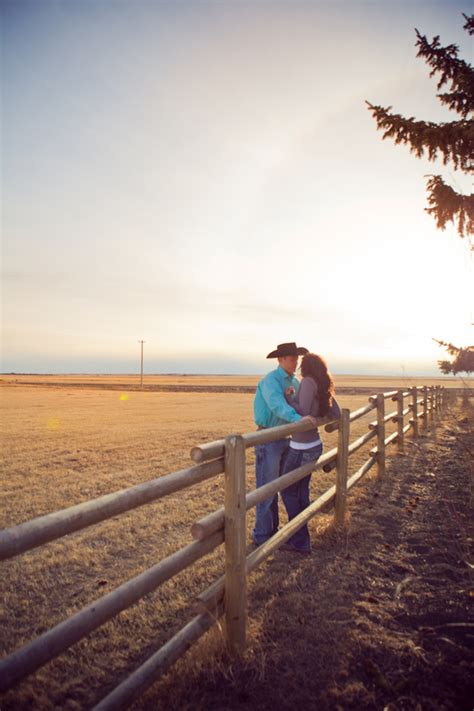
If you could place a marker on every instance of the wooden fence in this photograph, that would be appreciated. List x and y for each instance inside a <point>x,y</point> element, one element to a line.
<point>228,595</point>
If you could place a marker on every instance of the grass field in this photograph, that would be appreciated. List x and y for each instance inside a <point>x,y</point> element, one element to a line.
<point>65,445</point>
<point>181,380</point>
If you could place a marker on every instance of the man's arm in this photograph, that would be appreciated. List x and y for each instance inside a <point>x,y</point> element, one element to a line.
<point>275,399</point>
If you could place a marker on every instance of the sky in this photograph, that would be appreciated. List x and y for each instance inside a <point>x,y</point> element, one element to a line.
<point>206,177</point>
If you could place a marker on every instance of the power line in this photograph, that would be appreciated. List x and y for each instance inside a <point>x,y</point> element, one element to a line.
<point>141,364</point>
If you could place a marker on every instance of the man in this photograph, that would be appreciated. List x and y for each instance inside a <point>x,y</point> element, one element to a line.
<point>271,409</point>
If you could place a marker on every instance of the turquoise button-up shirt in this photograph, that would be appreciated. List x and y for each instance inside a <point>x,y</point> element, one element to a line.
<point>270,406</point>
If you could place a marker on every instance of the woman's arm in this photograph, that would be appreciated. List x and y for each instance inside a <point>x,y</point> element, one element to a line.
<point>304,399</point>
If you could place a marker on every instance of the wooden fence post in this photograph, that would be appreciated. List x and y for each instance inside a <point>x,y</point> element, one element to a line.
<point>432,403</point>
<point>400,435</point>
<point>235,535</point>
<point>341,464</point>
<point>414,409</point>
<point>380,435</point>
<point>425,407</point>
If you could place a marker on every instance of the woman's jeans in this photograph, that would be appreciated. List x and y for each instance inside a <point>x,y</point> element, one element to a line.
<point>269,460</point>
<point>296,496</point>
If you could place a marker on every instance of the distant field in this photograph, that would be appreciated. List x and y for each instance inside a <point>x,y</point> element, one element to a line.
<point>62,445</point>
<point>221,382</point>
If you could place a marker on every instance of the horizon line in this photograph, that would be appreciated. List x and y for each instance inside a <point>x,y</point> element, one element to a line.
<point>232,375</point>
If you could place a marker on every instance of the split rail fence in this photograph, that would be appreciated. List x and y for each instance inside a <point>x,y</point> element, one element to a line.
<point>228,595</point>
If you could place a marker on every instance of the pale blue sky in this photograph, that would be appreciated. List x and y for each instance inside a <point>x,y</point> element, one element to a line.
<point>206,176</point>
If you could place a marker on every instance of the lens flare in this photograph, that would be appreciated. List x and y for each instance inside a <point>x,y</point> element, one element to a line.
<point>123,396</point>
<point>53,423</point>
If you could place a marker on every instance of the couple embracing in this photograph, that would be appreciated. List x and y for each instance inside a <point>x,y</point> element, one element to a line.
<point>281,399</point>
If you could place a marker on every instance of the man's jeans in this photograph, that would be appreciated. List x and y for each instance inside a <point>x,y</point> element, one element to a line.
<point>269,460</point>
<point>296,496</point>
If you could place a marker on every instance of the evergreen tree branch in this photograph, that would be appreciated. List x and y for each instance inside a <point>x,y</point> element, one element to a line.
<point>446,205</point>
<point>463,359</point>
<point>453,140</point>
<point>469,24</point>
<point>452,349</point>
<point>445,367</point>
<point>458,101</point>
<point>457,72</point>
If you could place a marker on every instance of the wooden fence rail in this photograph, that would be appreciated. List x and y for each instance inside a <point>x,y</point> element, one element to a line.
<point>44,529</point>
<point>227,595</point>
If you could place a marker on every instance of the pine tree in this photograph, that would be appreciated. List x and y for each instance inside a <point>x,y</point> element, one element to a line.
<point>453,141</point>
<point>463,359</point>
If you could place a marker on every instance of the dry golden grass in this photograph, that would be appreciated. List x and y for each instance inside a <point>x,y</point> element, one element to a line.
<point>66,445</point>
<point>183,380</point>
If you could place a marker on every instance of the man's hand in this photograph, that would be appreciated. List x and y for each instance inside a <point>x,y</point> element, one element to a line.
<point>289,391</point>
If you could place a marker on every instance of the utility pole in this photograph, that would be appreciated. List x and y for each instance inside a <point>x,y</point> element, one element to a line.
<point>141,362</point>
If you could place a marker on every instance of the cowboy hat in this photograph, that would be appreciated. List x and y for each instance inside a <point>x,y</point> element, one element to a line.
<point>287,349</point>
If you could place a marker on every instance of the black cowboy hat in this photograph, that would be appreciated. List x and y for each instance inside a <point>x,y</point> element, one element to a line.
<point>287,349</point>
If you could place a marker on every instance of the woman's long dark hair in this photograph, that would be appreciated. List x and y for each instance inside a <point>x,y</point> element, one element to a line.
<point>313,366</point>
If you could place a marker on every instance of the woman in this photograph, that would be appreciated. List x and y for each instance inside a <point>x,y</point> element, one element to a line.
<point>315,397</point>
